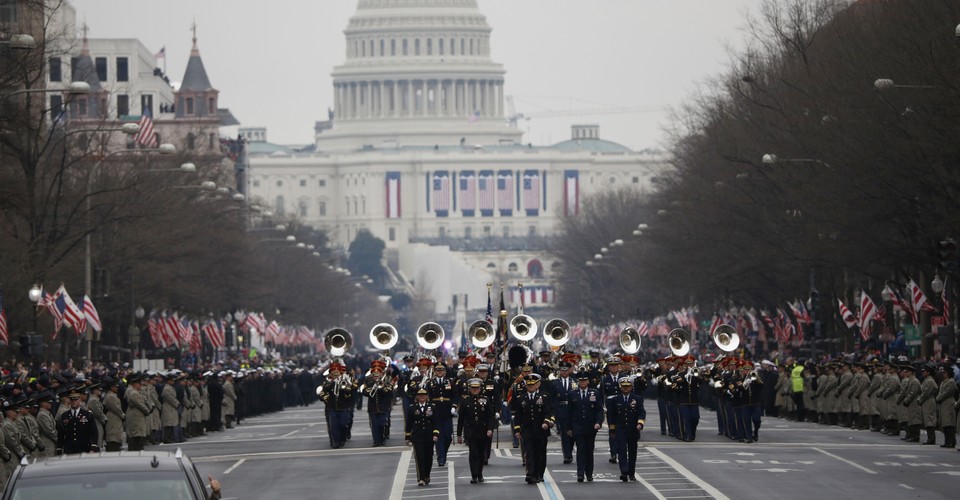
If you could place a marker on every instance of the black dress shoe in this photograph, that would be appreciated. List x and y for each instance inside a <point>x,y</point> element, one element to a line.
<point>473,480</point>
<point>613,460</point>
<point>623,477</point>
<point>589,479</point>
<point>441,464</point>
<point>529,480</point>
<point>479,479</point>
<point>567,460</point>
<point>633,479</point>
<point>579,479</point>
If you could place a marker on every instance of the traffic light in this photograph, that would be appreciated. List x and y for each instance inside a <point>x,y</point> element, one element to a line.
<point>31,344</point>
<point>949,255</point>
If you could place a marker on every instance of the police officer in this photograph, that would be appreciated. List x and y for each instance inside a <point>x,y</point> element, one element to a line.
<point>422,432</point>
<point>533,419</point>
<point>585,416</point>
<point>477,421</point>
<point>625,418</point>
<point>77,429</point>
<point>443,394</point>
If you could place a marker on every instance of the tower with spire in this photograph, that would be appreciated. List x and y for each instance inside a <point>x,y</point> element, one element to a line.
<point>196,99</point>
<point>92,106</point>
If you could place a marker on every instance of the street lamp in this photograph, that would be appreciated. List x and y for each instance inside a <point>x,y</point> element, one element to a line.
<point>20,42</point>
<point>772,159</point>
<point>883,84</point>
<point>75,88</point>
<point>164,149</point>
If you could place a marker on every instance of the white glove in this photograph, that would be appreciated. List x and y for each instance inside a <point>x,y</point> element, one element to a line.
<point>453,411</point>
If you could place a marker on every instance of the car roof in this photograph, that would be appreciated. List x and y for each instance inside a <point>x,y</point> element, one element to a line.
<point>119,461</point>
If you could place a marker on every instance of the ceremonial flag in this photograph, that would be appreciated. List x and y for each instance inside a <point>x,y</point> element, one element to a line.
<point>643,329</point>
<point>714,323</point>
<point>155,327</point>
<point>91,314</point>
<point>440,193</point>
<point>485,193</point>
<point>944,299</point>
<point>68,310</point>
<point>393,195</point>
<point>505,192</point>
<point>4,333</point>
<point>531,192</point>
<point>848,318</point>
<point>571,192</point>
<point>867,312</point>
<point>146,136</point>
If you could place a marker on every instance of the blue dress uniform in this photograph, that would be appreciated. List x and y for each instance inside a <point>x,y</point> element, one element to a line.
<point>625,414</point>
<point>477,416</point>
<point>77,431</point>
<point>379,395</point>
<point>422,430</point>
<point>338,396</point>
<point>687,395</point>
<point>749,393</point>
<point>492,390</point>
<point>609,386</point>
<point>585,412</point>
<point>561,390</point>
<point>532,410</point>
<point>443,395</point>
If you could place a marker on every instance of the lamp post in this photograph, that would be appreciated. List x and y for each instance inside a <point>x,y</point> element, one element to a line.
<point>34,295</point>
<point>20,41</point>
<point>164,149</point>
<point>75,88</point>
<point>772,159</point>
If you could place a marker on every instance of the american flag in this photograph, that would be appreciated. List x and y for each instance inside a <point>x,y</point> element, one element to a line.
<point>4,333</point>
<point>945,300</point>
<point>571,192</point>
<point>171,329</point>
<point>468,192</point>
<point>90,313</point>
<point>505,192</point>
<point>779,327</point>
<point>146,136</point>
<point>196,343</point>
<point>643,329</point>
<point>155,327</point>
<point>918,300</point>
<point>215,334</point>
<point>489,316</point>
<point>531,191</point>
<point>485,189</point>
<point>393,195</point>
<point>714,323</point>
<point>441,192</point>
<point>273,329</point>
<point>868,310</point>
<point>848,318</point>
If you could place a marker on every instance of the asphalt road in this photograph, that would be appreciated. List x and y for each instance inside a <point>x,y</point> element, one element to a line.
<point>287,455</point>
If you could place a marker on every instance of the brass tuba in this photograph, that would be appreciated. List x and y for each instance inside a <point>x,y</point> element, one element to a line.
<point>556,332</point>
<point>481,334</point>
<point>726,338</point>
<point>679,341</point>
<point>384,336</point>
<point>523,327</point>
<point>430,335</point>
<point>338,341</point>
<point>629,340</point>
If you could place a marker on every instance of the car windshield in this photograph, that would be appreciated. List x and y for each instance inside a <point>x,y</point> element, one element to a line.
<point>152,486</point>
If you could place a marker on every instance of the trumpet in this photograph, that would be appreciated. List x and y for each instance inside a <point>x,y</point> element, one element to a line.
<point>753,377</point>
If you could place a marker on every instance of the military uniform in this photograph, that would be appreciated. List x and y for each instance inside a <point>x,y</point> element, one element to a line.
<point>338,397</point>
<point>48,430</point>
<point>379,394</point>
<point>443,395</point>
<point>77,431</point>
<point>138,410</point>
<point>113,431</point>
<point>561,390</point>
<point>533,417</point>
<point>928,405</point>
<point>946,399</point>
<point>477,417</point>
<point>422,431</point>
<point>625,418</point>
<point>585,415</point>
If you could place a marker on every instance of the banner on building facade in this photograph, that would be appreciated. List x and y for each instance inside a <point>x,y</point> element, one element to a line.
<point>468,193</point>
<point>485,193</point>
<point>571,192</point>
<point>393,195</point>
<point>441,193</point>
<point>505,192</point>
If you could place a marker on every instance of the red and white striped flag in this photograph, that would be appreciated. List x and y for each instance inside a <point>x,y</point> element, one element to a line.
<point>945,300</point>
<point>4,332</point>
<point>868,310</point>
<point>146,136</point>
<point>714,323</point>
<point>69,311</point>
<point>155,327</point>
<point>531,191</point>
<point>848,318</point>
<point>918,300</point>
<point>643,329</point>
<point>91,314</point>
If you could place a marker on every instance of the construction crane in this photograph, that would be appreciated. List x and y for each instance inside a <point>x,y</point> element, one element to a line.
<point>513,117</point>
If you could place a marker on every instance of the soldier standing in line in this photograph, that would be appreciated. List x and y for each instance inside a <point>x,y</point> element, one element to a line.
<point>890,390</point>
<point>829,395</point>
<point>28,425</point>
<point>138,410</point>
<point>585,413</point>
<point>152,386</point>
<point>843,392</point>
<point>95,405</point>
<point>928,403</point>
<point>168,413</point>
<point>215,393</point>
<point>46,424</point>
<point>422,432</point>
<point>477,421</point>
<point>533,419</point>
<point>11,434</point>
<point>113,431</point>
<point>909,405</point>
<point>229,399</point>
<point>625,419</point>
<point>945,406</point>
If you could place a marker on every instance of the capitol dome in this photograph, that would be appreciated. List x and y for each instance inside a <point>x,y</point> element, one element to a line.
<point>417,73</point>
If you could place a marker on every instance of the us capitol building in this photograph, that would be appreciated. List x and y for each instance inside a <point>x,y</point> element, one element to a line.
<point>418,150</point>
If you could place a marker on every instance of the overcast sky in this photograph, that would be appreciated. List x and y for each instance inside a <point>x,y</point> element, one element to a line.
<point>271,61</point>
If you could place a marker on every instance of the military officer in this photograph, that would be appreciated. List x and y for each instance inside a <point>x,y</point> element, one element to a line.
<point>229,399</point>
<point>492,391</point>
<point>625,419</point>
<point>11,434</point>
<point>477,421</point>
<point>609,387</point>
<point>910,390</point>
<point>77,429</point>
<point>443,394</point>
<point>562,386</point>
<point>533,418</point>
<point>95,405</point>
<point>585,416</point>
<point>422,432</point>
<point>750,395</point>
<point>46,424</point>
<point>687,397</point>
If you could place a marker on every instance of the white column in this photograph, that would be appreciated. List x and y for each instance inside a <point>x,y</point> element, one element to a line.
<point>423,97</point>
<point>475,105</point>
<point>382,111</point>
<point>411,104</point>
<point>396,99</point>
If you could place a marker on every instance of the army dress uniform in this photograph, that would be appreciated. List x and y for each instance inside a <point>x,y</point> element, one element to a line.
<point>561,389</point>
<point>422,431</point>
<point>585,414</point>
<point>443,394</point>
<point>113,431</point>
<point>477,418</point>
<point>379,394</point>
<point>533,417</point>
<point>77,432</point>
<point>48,429</point>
